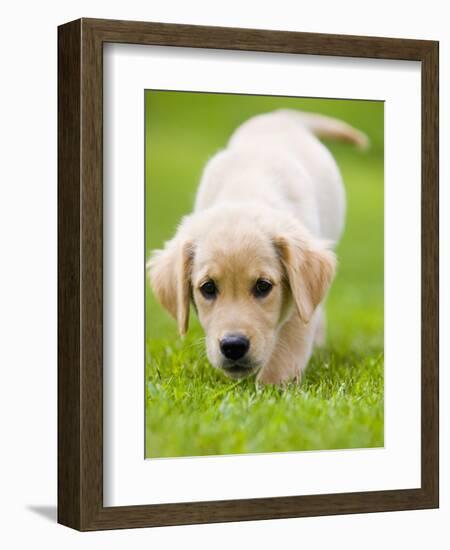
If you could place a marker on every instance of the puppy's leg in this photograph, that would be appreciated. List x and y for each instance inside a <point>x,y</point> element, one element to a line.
<point>291,353</point>
<point>321,328</point>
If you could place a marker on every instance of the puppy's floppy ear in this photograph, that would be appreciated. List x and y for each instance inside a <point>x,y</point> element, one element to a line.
<point>310,267</point>
<point>170,277</point>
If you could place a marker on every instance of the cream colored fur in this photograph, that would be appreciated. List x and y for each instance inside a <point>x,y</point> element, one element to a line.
<point>270,206</point>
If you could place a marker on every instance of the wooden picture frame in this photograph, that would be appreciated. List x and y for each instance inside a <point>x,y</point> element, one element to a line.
<point>80,272</point>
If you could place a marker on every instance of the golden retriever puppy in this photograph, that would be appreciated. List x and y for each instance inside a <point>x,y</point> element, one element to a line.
<point>255,257</point>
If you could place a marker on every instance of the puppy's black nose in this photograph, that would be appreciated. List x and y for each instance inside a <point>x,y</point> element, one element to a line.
<point>234,346</point>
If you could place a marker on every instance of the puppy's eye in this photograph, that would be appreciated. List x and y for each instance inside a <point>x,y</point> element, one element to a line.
<point>209,290</point>
<point>262,288</point>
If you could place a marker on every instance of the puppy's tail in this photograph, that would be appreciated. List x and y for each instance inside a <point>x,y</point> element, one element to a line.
<point>329,128</point>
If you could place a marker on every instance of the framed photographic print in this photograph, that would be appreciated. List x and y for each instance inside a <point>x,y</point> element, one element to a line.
<point>248,274</point>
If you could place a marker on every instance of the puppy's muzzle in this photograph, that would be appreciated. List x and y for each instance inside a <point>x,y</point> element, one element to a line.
<point>234,346</point>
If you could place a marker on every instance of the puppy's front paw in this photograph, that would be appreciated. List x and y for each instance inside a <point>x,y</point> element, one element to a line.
<point>274,377</point>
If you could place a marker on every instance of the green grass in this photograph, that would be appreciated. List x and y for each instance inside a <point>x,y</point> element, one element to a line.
<point>191,409</point>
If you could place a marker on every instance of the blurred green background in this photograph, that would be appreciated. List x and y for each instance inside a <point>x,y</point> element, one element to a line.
<point>190,408</point>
